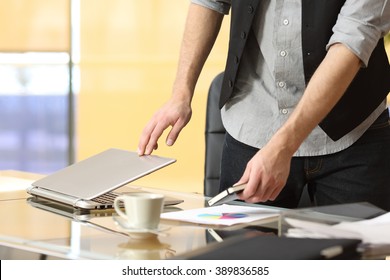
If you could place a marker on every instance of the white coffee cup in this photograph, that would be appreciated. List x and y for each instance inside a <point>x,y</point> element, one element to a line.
<point>142,210</point>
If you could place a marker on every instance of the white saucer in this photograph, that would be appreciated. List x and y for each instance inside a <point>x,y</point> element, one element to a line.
<point>138,232</point>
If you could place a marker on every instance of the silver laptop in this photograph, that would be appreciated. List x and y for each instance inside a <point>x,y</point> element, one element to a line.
<point>89,184</point>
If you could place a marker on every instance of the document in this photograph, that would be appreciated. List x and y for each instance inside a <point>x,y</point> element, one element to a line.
<point>371,231</point>
<point>225,215</point>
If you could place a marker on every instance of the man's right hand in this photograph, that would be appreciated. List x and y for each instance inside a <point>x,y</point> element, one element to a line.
<point>201,30</point>
<point>176,113</point>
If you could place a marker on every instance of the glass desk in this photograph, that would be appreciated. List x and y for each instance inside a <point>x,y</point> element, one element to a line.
<point>34,230</point>
<point>31,230</point>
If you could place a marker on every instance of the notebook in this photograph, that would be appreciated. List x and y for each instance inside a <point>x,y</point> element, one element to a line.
<point>227,195</point>
<point>89,184</point>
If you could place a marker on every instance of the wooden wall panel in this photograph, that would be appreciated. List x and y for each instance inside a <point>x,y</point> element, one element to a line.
<point>129,52</point>
<point>34,25</point>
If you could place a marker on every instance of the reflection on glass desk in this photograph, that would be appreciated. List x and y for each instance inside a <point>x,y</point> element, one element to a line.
<point>49,230</point>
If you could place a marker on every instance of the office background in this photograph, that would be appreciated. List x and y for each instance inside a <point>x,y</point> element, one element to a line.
<point>80,76</point>
<point>124,55</point>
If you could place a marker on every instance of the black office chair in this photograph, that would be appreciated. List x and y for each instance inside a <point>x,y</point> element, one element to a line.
<point>214,137</point>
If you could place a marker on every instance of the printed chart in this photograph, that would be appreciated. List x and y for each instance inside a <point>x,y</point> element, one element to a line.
<point>222,215</point>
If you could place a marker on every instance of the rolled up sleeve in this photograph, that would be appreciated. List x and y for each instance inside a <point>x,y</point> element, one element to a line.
<point>360,25</point>
<point>221,6</point>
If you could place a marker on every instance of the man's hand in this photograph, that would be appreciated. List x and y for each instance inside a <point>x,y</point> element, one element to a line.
<point>176,113</point>
<point>266,174</point>
<point>201,30</point>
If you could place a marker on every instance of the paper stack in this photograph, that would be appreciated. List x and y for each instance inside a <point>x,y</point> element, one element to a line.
<point>374,233</point>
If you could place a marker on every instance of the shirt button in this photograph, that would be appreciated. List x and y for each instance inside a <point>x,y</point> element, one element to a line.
<point>283,53</point>
<point>286,22</point>
<point>281,84</point>
<point>284,111</point>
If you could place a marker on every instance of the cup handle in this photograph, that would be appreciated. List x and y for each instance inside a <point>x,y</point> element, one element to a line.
<point>118,209</point>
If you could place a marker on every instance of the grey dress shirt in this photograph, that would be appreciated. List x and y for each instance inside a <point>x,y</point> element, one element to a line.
<point>271,82</point>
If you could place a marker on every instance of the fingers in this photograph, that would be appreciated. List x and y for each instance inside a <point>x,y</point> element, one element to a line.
<point>175,131</point>
<point>176,113</point>
<point>263,191</point>
<point>259,186</point>
<point>153,132</point>
<point>144,142</point>
<point>266,190</point>
<point>150,136</point>
<point>155,135</point>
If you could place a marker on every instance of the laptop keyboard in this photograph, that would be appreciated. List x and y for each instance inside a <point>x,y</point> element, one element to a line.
<point>106,199</point>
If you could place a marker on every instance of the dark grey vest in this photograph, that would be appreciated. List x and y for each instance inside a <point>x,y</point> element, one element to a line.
<point>369,88</point>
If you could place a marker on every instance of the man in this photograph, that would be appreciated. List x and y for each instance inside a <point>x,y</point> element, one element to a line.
<point>303,97</point>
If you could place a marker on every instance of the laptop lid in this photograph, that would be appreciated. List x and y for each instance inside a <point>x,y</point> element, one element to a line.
<point>97,175</point>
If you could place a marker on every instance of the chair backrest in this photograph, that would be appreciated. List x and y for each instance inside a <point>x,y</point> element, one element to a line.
<point>214,137</point>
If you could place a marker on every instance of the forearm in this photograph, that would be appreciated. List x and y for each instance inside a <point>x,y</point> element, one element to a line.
<point>201,29</point>
<point>324,90</point>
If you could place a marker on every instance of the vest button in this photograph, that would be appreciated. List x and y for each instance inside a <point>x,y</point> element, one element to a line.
<point>236,60</point>
<point>243,35</point>
<point>230,83</point>
<point>250,9</point>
